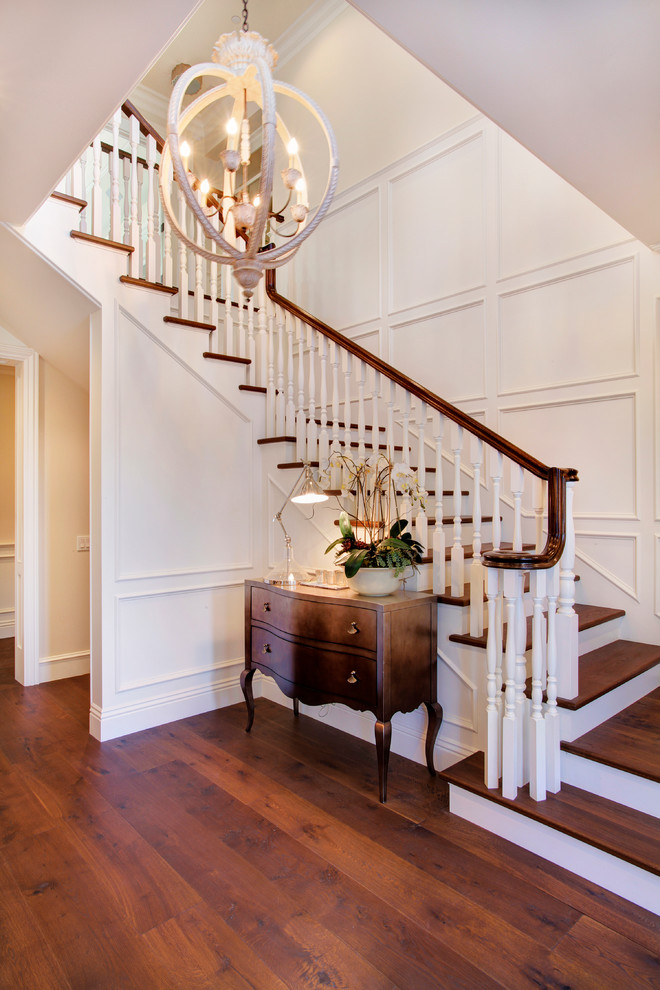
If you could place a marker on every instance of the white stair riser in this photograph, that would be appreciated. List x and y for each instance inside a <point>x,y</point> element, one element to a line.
<point>597,636</point>
<point>608,782</point>
<point>624,879</point>
<point>575,723</point>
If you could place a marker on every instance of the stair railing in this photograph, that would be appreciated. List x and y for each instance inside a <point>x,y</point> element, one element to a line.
<point>313,376</point>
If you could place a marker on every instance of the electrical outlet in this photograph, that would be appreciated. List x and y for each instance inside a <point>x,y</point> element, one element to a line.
<point>82,543</point>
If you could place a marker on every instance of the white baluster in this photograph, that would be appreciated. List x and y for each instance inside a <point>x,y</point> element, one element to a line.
<point>214,308</point>
<point>82,172</point>
<point>439,548</point>
<point>324,439</point>
<point>301,424</point>
<point>280,398</point>
<point>457,552</point>
<point>290,429</point>
<point>252,352</point>
<point>229,319</point>
<point>242,342</point>
<point>421,523</point>
<point>476,567</point>
<point>183,262</point>
<point>152,208</point>
<point>539,492</point>
<point>512,592</point>
<point>126,200</point>
<point>312,431</point>
<point>391,453</point>
<point>522,723</point>
<point>270,385</point>
<point>335,480</point>
<point>263,337</point>
<point>552,722</point>
<point>361,417</point>
<point>134,239</point>
<point>517,488</point>
<point>97,193</point>
<point>496,477</point>
<point>198,298</point>
<point>375,411</point>
<point>493,653</point>
<point>537,754</point>
<point>406,428</point>
<point>567,620</point>
<point>347,407</point>
<point>115,212</point>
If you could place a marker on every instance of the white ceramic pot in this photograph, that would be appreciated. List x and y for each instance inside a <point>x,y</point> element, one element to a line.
<point>374,581</point>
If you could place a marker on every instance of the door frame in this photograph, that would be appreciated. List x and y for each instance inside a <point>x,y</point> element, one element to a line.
<point>26,569</point>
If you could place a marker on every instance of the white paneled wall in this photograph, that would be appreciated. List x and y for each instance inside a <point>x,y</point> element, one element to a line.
<point>510,294</point>
<point>6,501</point>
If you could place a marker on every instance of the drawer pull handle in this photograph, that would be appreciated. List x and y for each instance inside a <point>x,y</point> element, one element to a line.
<point>267,648</point>
<point>352,679</point>
<point>267,607</point>
<point>353,629</point>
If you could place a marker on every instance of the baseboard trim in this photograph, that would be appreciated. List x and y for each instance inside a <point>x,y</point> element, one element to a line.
<point>585,861</point>
<point>408,731</point>
<point>63,665</point>
<point>122,720</point>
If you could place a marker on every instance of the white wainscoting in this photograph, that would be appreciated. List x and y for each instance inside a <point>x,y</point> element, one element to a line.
<point>547,331</point>
<point>612,555</point>
<point>7,612</point>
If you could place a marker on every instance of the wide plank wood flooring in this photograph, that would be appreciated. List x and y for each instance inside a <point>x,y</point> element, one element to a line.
<point>194,855</point>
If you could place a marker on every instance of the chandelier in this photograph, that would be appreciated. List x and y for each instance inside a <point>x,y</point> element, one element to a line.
<point>242,228</point>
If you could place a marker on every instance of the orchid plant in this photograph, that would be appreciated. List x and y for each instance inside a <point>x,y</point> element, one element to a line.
<point>374,484</point>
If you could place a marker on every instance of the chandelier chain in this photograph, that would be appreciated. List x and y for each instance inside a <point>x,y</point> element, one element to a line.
<point>245,16</point>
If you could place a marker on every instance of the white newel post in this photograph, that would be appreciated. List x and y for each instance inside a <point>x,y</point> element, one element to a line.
<point>552,721</point>
<point>439,547</point>
<point>476,567</point>
<point>510,738</point>
<point>494,659</point>
<point>567,620</point>
<point>537,733</point>
<point>421,521</point>
<point>457,553</point>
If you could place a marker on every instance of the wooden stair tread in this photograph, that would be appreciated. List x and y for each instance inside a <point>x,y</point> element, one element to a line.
<point>288,465</point>
<point>179,321</point>
<point>629,741</point>
<point>142,283</point>
<point>588,616</point>
<point>608,667</point>
<point>265,440</point>
<point>212,356</point>
<point>627,834</point>
<point>74,200</point>
<point>103,241</point>
<point>467,520</point>
<point>342,426</point>
<point>464,599</point>
<point>253,388</point>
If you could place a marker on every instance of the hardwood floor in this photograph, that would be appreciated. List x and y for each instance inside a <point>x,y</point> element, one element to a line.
<point>194,855</point>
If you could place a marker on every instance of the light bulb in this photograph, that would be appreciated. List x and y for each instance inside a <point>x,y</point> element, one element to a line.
<point>205,185</point>
<point>292,147</point>
<point>184,148</point>
<point>256,200</point>
<point>232,126</point>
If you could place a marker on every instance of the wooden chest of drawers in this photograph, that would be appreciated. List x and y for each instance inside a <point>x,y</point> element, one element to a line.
<point>321,647</point>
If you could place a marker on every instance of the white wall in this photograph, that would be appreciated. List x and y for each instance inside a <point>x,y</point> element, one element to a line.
<point>7,483</point>
<point>64,516</point>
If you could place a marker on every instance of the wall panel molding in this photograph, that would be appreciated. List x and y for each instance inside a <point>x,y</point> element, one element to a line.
<point>631,587</point>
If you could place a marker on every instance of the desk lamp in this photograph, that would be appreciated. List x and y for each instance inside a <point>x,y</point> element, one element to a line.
<point>287,572</point>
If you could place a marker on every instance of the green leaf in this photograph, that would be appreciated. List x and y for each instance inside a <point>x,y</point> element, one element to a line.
<point>397,527</point>
<point>354,561</point>
<point>345,527</point>
<point>334,544</point>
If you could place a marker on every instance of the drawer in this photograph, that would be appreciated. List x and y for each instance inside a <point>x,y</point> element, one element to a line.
<point>327,671</point>
<point>345,625</point>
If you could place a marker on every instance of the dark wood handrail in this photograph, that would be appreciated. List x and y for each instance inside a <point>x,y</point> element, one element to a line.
<point>146,128</point>
<point>555,477</point>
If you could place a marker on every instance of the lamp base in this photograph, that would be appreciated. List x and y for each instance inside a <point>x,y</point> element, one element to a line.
<point>287,573</point>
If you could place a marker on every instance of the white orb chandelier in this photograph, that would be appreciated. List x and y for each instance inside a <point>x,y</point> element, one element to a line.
<point>240,228</point>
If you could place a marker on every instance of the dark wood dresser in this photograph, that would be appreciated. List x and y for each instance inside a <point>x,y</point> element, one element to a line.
<point>322,647</point>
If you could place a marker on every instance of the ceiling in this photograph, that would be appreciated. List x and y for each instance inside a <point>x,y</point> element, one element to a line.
<point>577,83</point>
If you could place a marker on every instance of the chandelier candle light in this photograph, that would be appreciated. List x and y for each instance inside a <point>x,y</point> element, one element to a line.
<point>239,228</point>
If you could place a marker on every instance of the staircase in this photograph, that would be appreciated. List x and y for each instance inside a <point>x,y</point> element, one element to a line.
<point>549,699</point>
